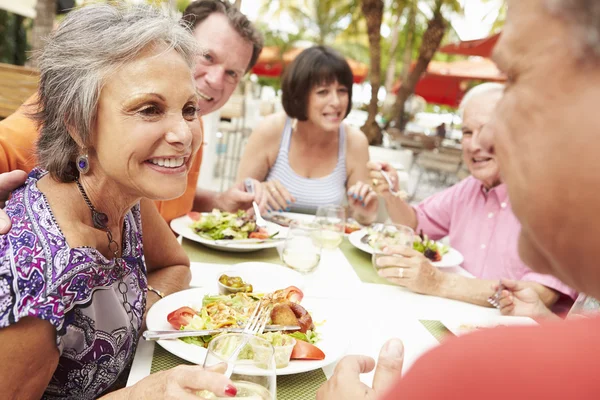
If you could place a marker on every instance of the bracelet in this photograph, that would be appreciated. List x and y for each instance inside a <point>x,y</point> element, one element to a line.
<point>156,291</point>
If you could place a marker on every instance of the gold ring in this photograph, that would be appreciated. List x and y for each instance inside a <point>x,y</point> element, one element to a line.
<point>375,182</point>
<point>272,190</point>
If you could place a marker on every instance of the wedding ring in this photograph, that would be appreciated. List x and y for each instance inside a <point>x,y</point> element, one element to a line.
<point>401,272</point>
<point>375,182</point>
<point>272,190</point>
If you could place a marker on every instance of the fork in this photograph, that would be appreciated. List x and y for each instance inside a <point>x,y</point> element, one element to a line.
<point>391,185</point>
<point>494,299</point>
<point>255,326</point>
<point>260,221</point>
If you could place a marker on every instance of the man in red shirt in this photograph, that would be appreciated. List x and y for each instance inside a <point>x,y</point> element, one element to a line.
<point>545,135</point>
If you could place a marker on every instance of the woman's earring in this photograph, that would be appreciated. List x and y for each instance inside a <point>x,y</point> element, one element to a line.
<point>83,164</point>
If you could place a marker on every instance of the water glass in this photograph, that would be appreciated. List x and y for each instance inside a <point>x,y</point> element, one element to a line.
<point>254,373</point>
<point>389,235</point>
<point>302,247</point>
<point>332,219</point>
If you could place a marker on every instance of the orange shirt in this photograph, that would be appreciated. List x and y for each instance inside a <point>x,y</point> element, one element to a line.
<point>19,133</point>
<point>558,360</point>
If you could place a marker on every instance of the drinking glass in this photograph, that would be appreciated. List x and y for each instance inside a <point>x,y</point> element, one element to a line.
<point>387,235</point>
<point>332,219</point>
<point>302,247</point>
<point>254,368</point>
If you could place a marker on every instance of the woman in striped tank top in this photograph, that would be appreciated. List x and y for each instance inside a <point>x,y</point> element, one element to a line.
<point>307,157</point>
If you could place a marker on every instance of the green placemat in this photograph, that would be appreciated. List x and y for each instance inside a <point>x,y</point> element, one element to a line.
<point>289,387</point>
<point>437,329</point>
<point>198,252</point>
<point>361,263</point>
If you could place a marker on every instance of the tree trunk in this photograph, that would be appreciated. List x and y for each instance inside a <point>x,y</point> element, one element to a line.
<point>411,23</point>
<point>373,12</point>
<point>391,69</point>
<point>42,27</point>
<point>431,41</point>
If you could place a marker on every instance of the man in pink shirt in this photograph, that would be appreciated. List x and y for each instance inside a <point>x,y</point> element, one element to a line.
<point>475,214</point>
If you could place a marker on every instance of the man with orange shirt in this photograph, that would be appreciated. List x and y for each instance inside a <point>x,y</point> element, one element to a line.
<point>545,135</point>
<point>231,46</point>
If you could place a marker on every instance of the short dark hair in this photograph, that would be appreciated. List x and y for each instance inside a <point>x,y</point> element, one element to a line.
<point>198,11</point>
<point>314,66</point>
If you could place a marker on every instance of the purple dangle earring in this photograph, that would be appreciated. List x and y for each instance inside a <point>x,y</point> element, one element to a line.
<point>83,164</point>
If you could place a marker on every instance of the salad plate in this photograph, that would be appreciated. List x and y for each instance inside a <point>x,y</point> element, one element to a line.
<point>331,327</point>
<point>462,326</point>
<point>184,226</point>
<point>452,258</point>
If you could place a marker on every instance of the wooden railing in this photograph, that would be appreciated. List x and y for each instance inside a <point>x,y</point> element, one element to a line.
<point>17,84</point>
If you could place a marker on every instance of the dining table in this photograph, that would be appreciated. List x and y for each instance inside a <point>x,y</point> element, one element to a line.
<point>346,285</point>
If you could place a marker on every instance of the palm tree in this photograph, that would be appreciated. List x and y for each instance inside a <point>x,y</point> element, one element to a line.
<point>432,37</point>
<point>373,12</point>
<point>42,27</point>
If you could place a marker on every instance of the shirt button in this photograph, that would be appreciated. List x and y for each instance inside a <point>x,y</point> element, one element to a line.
<point>503,205</point>
<point>491,215</point>
<point>483,246</point>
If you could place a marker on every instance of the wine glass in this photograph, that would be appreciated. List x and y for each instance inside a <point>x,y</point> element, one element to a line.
<point>302,247</point>
<point>387,235</point>
<point>254,373</point>
<point>332,219</point>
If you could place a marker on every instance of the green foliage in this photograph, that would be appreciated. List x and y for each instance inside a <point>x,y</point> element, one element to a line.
<point>13,38</point>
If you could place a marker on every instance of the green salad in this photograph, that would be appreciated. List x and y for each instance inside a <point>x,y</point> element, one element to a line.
<point>224,225</point>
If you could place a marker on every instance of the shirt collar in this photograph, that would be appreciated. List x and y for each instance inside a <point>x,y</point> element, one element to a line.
<point>500,192</point>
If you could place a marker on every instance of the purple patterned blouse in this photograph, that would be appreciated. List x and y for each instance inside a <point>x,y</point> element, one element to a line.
<point>95,304</point>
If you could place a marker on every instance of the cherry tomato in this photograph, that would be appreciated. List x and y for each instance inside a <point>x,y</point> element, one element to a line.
<point>258,235</point>
<point>195,216</point>
<point>293,294</point>
<point>181,317</point>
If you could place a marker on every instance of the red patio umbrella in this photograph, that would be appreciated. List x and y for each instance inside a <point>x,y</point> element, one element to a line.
<point>446,83</point>
<point>479,47</point>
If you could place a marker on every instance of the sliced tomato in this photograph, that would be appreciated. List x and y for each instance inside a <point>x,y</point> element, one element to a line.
<point>181,317</point>
<point>293,294</point>
<point>195,216</point>
<point>306,351</point>
<point>258,235</point>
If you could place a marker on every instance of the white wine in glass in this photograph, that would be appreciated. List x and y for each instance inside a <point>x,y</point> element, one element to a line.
<point>302,249</point>
<point>332,219</point>
<point>254,373</point>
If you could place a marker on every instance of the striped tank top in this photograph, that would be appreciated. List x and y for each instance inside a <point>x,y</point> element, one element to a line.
<point>310,193</point>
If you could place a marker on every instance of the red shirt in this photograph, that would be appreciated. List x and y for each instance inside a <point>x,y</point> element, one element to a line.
<point>555,361</point>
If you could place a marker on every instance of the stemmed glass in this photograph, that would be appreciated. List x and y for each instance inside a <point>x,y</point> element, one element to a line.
<point>389,235</point>
<point>302,247</point>
<point>332,219</point>
<point>254,373</point>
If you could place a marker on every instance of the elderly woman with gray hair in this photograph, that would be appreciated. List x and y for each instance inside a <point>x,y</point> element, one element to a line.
<point>118,109</point>
<point>477,217</point>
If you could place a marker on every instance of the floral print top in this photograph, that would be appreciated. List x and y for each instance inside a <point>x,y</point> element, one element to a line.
<point>95,304</point>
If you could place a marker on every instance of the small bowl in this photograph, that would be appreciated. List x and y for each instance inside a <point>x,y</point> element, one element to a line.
<point>282,353</point>
<point>224,289</point>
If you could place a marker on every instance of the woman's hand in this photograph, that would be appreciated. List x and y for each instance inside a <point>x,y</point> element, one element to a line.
<point>9,181</point>
<point>363,200</point>
<point>520,300</point>
<point>411,269</point>
<point>378,182</point>
<point>277,196</point>
<point>182,382</point>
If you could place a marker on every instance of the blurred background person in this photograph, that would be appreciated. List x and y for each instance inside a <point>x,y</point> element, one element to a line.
<point>308,157</point>
<point>477,217</point>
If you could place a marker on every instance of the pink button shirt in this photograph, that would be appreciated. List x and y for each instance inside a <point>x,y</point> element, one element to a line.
<point>483,228</point>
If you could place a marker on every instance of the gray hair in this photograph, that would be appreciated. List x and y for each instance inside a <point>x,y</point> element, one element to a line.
<point>89,45</point>
<point>583,16</point>
<point>479,90</point>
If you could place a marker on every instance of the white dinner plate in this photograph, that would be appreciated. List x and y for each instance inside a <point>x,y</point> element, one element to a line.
<point>331,326</point>
<point>264,277</point>
<point>182,226</point>
<point>463,325</point>
<point>452,258</point>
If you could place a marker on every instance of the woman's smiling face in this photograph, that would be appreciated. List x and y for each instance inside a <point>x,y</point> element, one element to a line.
<point>147,129</point>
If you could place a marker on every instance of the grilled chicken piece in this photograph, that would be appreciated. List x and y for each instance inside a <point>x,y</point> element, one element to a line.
<point>292,314</point>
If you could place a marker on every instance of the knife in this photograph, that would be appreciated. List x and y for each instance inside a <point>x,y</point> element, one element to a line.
<point>230,242</point>
<point>173,334</point>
